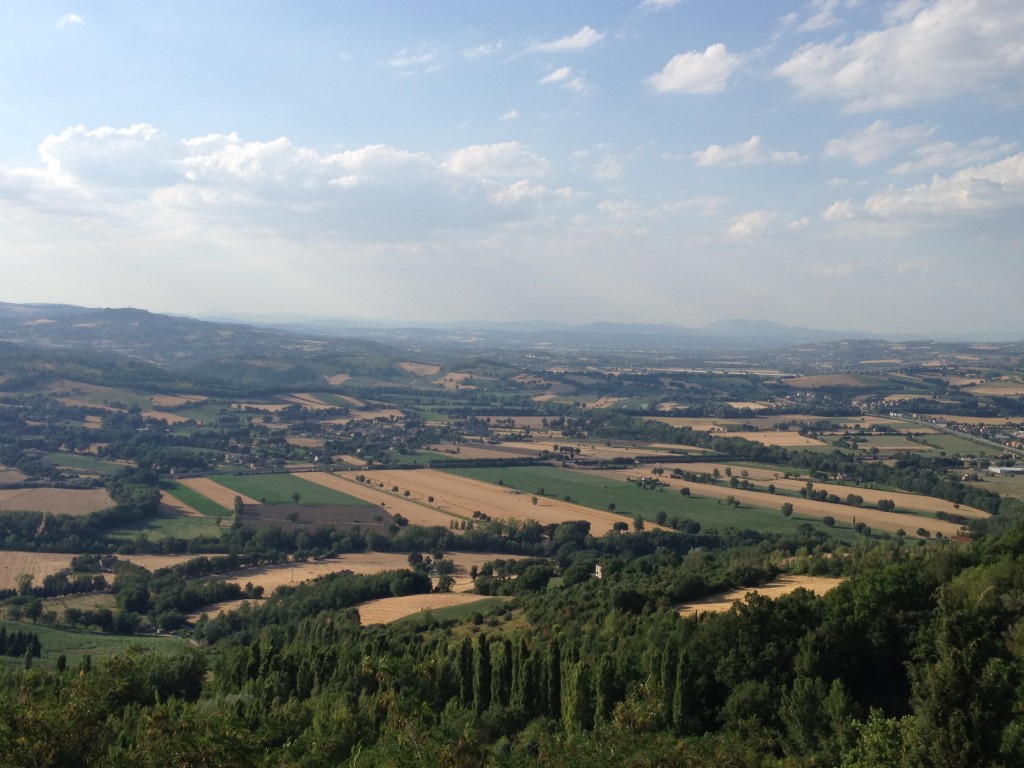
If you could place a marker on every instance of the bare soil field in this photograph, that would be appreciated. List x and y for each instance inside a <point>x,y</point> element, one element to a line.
<point>93,422</point>
<point>417,514</point>
<point>391,609</point>
<point>215,492</point>
<point>292,516</point>
<point>747,404</point>
<point>1015,390</point>
<point>355,461</point>
<point>420,369</point>
<point>56,501</point>
<point>783,585</point>
<point>462,497</point>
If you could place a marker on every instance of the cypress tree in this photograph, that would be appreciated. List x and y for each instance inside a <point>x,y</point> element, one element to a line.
<point>482,675</point>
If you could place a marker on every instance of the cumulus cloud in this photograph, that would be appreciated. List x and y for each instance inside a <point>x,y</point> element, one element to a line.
<point>145,182</point>
<point>70,18</point>
<point>508,159</point>
<point>512,114</point>
<point>995,187</point>
<point>585,38</point>
<point>929,51</point>
<point>752,224</point>
<point>877,142</point>
<point>749,152</point>
<point>697,72</point>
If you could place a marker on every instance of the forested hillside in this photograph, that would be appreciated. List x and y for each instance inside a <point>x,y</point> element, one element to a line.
<point>915,660</point>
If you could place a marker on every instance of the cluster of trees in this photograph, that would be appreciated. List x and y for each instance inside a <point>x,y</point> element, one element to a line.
<point>19,643</point>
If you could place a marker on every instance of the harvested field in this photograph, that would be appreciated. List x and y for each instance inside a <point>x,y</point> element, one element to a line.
<point>216,609</point>
<point>455,381</point>
<point>307,400</point>
<point>747,404</point>
<point>462,497</point>
<point>811,382</point>
<point>699,424</point>
<point>355,461</point>
<point>93,422</point>
<point>420,369</point>
<point>260,407</point>
<point>174,401</point>
<point>987,420</point>
<point>843,514</point>
<point>170,418</point>
<point>781,438</point>
<point>305,442</point>
<point>167,500</point>
<point>215,492</point>
<point>417,514</point>
<point>783,585</point>
<point>391,609</point>
<point>156,562</point>
<point>338,379</point>
<point>8,475</point>
<point>482,451</point>
<point>605,402</point>
<point>353,401</point>
<point>56,501</point>
<point>270,577</point>
<point>38,565</point>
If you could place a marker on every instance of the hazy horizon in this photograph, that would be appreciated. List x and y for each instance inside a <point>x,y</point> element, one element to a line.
<point>844,165</point>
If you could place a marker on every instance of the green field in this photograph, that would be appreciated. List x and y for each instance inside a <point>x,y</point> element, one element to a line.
<point>598,492</point>
<point>457,612</point>
<point>197,501</point>
<point>176,525</point>
<point>954,444</point>
<point>279,489</point>
<point>83,463</point>
<point>76,644</point>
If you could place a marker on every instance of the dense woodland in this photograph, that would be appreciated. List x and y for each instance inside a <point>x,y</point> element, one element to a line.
<point>915,660</point>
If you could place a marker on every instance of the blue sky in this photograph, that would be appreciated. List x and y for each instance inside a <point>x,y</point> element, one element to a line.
<point>837,164</point>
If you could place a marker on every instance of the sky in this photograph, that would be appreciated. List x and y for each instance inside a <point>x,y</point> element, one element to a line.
<point>834,164</point>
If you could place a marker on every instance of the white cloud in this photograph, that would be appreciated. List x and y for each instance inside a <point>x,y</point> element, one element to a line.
<point>580,41</point>
<point>697,72</point>
<point>750,152</point>
<point>421,61</point>
<point>995,187</point>
<point>877,142</point>
<point>70,18</point>
<point>752,224</point>
<point>658,5</point>
<point>512,114</point>
<point>610,167</point>
<point>565,77</point>
<point>939,154</point>
<point>485,49</point>
<point>929,51</point>
<point>508,159</point>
